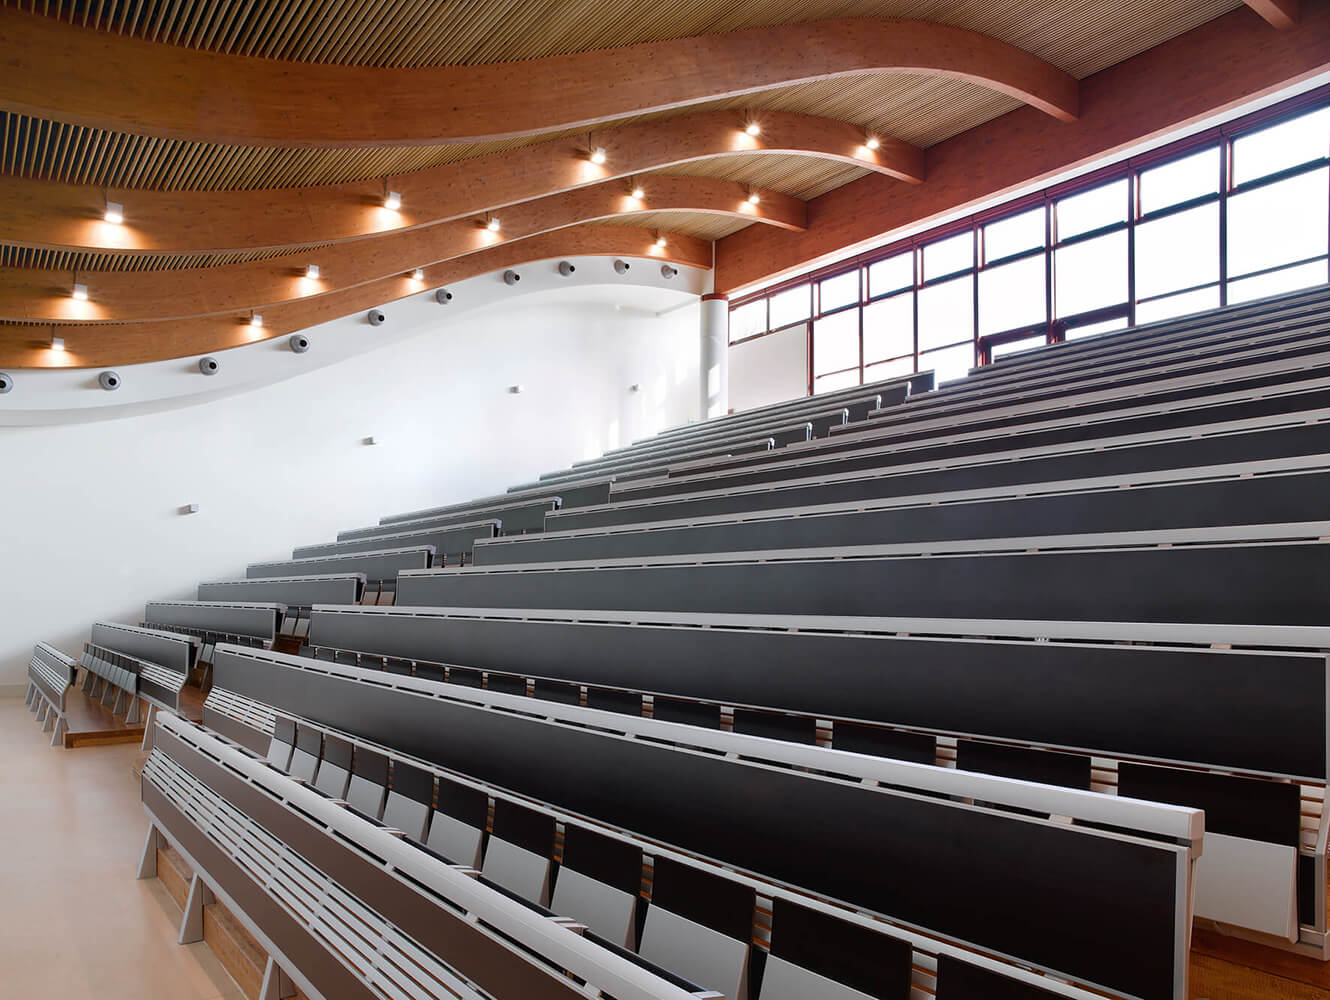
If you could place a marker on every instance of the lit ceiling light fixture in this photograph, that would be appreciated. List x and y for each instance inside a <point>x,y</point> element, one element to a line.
<point>312,272</point>
<point>255,320</point>
<point>492,223</point>
<point>872,142</point>
<point>660,239</point>
<point>115,213</point>
<point>752,128</point>
<point>392,201</point>
<point>598,155</point>
<point>80,292</point>
<point>57,343</point>
<point>418,274</point>
<point>753,196</point>
<point>638,192</point>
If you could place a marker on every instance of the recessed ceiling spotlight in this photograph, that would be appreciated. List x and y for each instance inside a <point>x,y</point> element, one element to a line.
<point>493,224</point>
<point>255,319</point>
<point>418,274</point>
<point>80,292</point>
<point>392,201</point>
<point>312,272</point>
<point>753,128</point>
<point>115,212</point>
<point>872,142</point>
<point>598,155</point>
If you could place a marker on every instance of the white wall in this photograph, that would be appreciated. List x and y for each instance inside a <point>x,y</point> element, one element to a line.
<point>769,369</point>
<point>91,516</point>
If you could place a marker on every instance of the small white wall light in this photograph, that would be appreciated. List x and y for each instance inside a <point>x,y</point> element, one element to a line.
<point>190,508</point>
<point>517,390</point>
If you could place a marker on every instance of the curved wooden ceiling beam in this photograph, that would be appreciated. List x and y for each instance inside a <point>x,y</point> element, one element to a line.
<point>89,346</point>
<point>54,70</point>
<point>29,294</point>
<point>51,215</point>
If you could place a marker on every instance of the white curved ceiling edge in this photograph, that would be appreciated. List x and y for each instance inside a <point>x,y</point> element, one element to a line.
<point>72,395</point>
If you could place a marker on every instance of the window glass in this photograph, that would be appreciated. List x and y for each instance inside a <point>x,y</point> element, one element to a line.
<point>1012,295</point>
<point>949,363</point>
<point>1090,275</point>
<point>1277,224</point>
<point>1288,279</point>
<point>1298,140</point>
<point>1015,346</point>
<point>836,342</point>
<point>1178,251</point>
<point>1009,236</point>
<point>1095,329</point>
<point>748,321</point>
<point>1178,305</point>
<point>888,369</point>
<point>842,290</point>
<point>1093,209</point>
<point>889,327</point>
<point>955,253</point>
<point>789,306</point>
<point>946,313</point>
<point>891,274</point>
<point>840,380</point>
<point>1181,180</point>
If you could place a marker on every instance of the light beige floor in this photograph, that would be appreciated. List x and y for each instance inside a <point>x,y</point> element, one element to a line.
<point>74,922</point>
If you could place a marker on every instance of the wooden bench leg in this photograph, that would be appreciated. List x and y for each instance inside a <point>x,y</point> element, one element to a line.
<point>277,984</point>
<point>58,733</point>
<point>146,746</point>
<point>191,924</point>
<point>148,863</point>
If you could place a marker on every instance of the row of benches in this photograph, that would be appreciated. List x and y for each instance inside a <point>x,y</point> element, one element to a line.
<point>1016,633</point>
<point>587,762</point>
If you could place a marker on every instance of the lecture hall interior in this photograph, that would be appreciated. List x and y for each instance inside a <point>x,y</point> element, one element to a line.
<point>639,500</point>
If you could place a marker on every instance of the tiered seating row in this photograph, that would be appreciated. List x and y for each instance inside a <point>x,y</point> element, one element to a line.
<point>217,621</point>
<point>50,675</point>
<point>1198,448</point>
<point>1089,711</point>
<point>1072,507</point>
<point>1126,577</point>
<point>893,863</point>
<point>350,910</point>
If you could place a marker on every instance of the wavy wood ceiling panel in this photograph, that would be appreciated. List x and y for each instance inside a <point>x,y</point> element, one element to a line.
<point>801,177</point>
<point>1079,35</point>
<point>703,227</point>
<point>1082,36</point>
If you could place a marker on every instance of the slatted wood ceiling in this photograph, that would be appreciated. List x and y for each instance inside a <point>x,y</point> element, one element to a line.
<point>1081,36</point>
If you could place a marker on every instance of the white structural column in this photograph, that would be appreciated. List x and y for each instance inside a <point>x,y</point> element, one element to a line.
<point>715,355</point>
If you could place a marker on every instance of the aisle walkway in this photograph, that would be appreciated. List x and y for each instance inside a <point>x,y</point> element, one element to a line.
<point>74,922</point>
